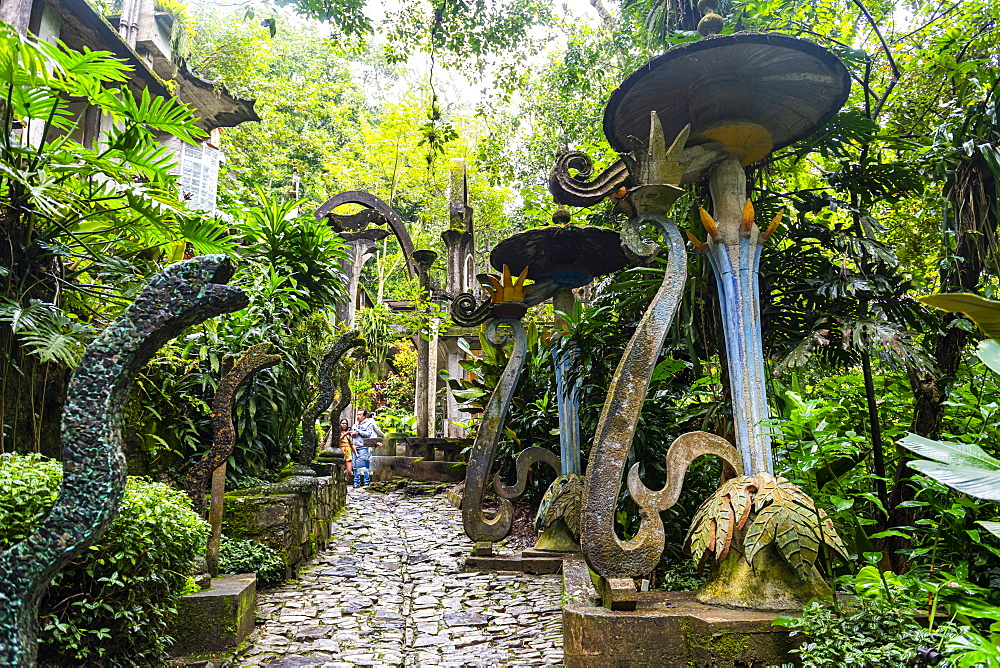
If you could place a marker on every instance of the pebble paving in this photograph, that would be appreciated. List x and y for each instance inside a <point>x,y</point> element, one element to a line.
<point>390,591</point>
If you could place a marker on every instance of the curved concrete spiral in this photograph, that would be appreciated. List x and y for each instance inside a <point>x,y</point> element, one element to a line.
<point>525,460</point>
<point>606,553</point>
<point>256,358</point>
<point>324,396</point>
<point>477,526</point>
<point>685,449</point>
<point>183,294</point>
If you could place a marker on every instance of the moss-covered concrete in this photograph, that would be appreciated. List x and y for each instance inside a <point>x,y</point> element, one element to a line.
<point>667,629</point>
<point>293,516</point>
<point>217,618</point>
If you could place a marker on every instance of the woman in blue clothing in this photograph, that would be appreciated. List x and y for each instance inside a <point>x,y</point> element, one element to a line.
<point>365,427</point>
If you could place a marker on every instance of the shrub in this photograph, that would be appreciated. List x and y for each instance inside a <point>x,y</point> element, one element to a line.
<point>864,634</point>
<point>113,604</point>
<point>243,556</point>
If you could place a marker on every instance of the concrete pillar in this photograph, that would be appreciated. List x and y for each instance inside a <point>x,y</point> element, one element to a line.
<point>459,238</point>
<point>426,384</point>
<point>359,252</point>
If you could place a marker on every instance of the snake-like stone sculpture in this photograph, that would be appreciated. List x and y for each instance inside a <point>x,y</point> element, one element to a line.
<point>685,449</point>
<point>256,358</point>
<point>607,554</point>
<point>525,460</point>
<point>183,294</point>
<point>477,526</point>
<point>324,396</point>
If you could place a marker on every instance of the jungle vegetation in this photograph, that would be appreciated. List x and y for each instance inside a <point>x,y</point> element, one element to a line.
<point>897,197</point>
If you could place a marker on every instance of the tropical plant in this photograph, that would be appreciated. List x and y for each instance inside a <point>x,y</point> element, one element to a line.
<point>243,556</point>
<point>111,606</point>
<point>81,222</point>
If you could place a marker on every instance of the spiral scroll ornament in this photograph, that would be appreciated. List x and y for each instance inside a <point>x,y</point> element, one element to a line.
<point>467,311</point>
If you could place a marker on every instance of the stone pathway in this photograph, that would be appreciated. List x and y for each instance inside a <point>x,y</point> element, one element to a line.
<point>389,592</point>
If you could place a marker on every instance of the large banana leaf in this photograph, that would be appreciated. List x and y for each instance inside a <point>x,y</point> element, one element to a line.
<point>974,481</point>
<point>984,312</point>
<point>961,454</point>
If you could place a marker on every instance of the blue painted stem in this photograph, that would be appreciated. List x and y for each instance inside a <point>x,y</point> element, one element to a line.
<point>567,394</point>
<point>736,268</point>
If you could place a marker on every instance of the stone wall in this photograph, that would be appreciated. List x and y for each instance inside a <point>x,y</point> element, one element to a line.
<point>293,516</point>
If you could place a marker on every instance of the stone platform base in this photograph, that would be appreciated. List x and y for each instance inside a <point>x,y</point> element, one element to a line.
<point>415,468</point>
<point>536,565</point>
<point>668,629</point>
<point>217,618</point>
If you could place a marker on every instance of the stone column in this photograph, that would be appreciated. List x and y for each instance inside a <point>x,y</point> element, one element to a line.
<point>458,238</point>
<point>567,394</point>
<point>423,397</point>
<point>359,252</point>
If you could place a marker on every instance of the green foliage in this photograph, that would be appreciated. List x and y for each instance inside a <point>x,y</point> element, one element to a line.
<point>865,634</point>
<point>82,223</point>
<point>29,484</point>
<point>243,556</point>
<point>113,604</point>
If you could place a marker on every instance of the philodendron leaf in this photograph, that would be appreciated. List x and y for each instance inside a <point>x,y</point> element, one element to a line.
<point>989,353</point>
<point>960,454</point>
<point>975,481</point>
<point>984,312</point>
<point>992,527</point>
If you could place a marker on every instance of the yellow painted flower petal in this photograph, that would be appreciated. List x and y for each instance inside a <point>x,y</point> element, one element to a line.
<point>748,214</point>
<point>774,224</point>
<point>697,244</point>
<point>708,222</point>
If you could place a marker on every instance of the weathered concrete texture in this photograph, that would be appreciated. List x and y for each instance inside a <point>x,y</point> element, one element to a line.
<point>292,516</point>
<point>668,629</point>
<point>414,468</point>
<point>389,592</point>
<point>217,618</point>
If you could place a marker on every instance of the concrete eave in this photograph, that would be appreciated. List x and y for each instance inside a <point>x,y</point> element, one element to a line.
<point>213,105</point>
<point>83,27</point>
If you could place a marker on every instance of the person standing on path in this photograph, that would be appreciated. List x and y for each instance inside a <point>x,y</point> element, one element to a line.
<point>365,427</point>
<point>345,446</point>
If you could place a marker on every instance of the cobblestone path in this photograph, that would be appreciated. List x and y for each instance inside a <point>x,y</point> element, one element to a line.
<point>389,592</point>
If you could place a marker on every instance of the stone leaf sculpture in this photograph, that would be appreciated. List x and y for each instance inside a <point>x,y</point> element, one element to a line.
<point>325,394</point>
<point>183,294</point>
<point>255,359</point>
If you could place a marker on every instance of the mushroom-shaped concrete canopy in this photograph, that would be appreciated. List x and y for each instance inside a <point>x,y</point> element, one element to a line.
<point>571,256</point>
<point>753,92</point>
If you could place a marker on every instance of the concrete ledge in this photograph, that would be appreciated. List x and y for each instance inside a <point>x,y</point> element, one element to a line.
<point>415,468</point>
<point>217,618</point>
<point>671,629</point>
<point>515,562</point>
<point>668,629</point>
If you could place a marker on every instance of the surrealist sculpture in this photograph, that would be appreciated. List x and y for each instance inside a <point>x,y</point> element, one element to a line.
<point>183,294</point>
<point>324,397</point>
<point>559,258</point>
<point>502,313</point>
<point>729,101</point>
<point>256,358</point>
